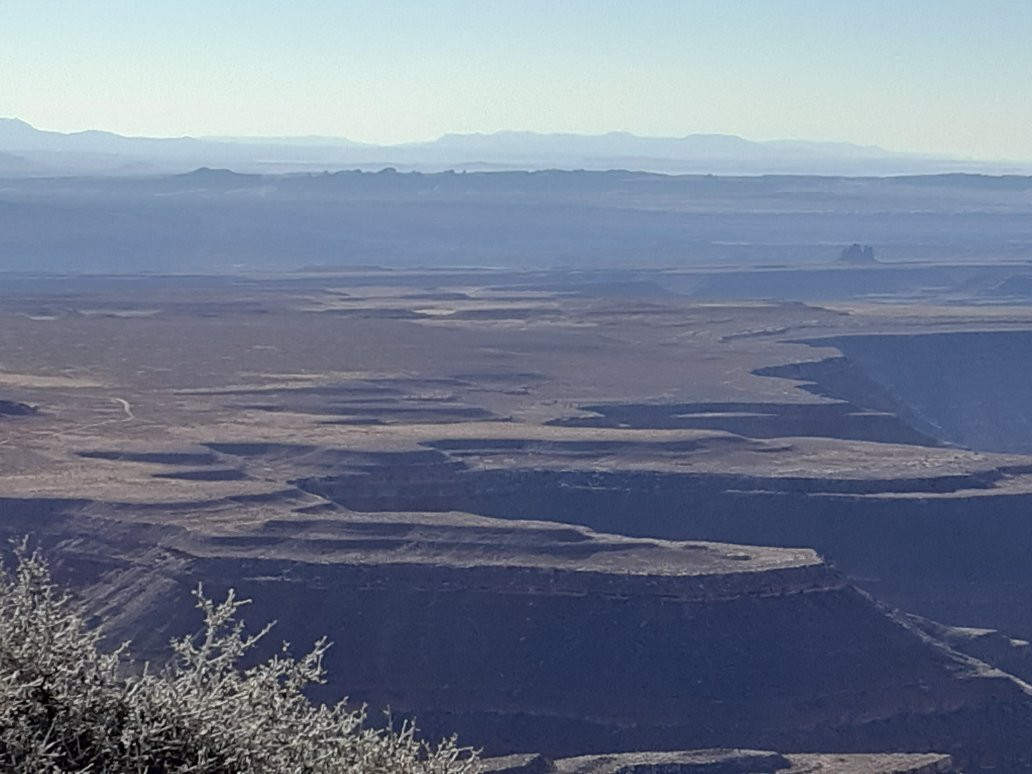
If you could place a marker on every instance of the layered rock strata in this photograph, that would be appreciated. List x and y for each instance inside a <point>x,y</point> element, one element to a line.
<point>531,635</point>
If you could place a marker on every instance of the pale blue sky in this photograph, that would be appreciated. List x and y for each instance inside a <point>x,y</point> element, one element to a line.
<point>940,76</point>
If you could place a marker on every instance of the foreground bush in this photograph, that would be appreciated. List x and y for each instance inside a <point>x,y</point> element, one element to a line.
<point>66,705</point>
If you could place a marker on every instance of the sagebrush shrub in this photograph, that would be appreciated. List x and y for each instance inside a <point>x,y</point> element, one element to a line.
<point>68,705</point>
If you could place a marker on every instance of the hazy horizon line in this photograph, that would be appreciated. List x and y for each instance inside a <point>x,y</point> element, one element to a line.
<point>512,131</point>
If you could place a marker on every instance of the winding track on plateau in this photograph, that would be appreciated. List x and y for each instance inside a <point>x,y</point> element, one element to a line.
<point>126,407</point>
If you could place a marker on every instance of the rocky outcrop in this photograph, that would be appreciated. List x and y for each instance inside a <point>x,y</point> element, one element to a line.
<point>858,254</point>
<point>723,762</point>
<point>10,408</point>
<point>840,419</point>
<point>1009,654</point>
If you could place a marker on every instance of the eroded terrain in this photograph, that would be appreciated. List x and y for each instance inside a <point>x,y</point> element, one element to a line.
<point>558,511</point>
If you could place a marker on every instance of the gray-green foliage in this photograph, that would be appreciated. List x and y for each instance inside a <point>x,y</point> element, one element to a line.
<point>67,705</point>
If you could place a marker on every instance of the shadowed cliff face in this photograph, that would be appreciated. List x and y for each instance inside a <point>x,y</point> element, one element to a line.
<point>527,635</point>
<point>973,389</point>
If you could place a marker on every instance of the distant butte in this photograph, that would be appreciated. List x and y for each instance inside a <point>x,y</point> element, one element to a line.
<point>858,254</point>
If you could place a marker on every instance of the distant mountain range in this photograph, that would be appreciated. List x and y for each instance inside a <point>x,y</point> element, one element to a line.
<point>29,152</point>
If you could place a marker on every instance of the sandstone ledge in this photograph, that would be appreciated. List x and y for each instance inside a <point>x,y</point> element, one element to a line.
<point>724,762</point>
